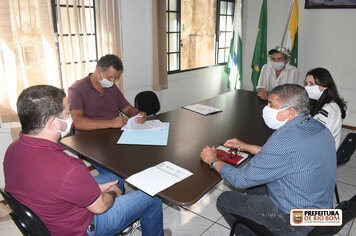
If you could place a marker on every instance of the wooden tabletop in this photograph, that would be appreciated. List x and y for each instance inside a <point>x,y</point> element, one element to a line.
<point>188,133</point>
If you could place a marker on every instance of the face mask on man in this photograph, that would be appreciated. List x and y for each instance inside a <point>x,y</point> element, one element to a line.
<point>270,117</point>
<point>69,122</point>
<point>105,83</point>
<point>314,92</point>
<point>278,65</point>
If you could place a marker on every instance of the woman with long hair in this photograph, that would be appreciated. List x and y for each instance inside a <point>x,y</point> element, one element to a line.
<point>326,105</point>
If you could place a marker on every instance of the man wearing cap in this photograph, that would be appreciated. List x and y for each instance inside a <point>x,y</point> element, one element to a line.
<point>277,72</point>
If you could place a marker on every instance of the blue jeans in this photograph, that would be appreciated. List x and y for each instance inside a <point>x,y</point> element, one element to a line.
<point>258,207</point>
<point>128,208</point>
<point>104,172</point>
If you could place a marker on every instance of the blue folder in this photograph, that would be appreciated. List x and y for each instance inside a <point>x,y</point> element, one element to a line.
<point>146,137</point>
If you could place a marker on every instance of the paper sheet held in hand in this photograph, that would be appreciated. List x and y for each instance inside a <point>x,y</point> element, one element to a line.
<point>157,178</point>
<point>148,125</point>
<point>202,109</point>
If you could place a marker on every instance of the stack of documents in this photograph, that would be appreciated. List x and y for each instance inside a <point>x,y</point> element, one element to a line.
<point>157,178</point>
<point>152,132</point>
<point>202,109</point>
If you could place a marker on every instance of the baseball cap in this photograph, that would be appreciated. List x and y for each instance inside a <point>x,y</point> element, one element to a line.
<point>283,50</point>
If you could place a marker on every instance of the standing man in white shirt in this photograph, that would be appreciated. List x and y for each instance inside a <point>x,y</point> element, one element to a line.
<point>277,72</point>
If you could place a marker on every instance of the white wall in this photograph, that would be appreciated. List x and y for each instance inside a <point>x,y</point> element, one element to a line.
<point>183,88</point>
<point>326,39</point>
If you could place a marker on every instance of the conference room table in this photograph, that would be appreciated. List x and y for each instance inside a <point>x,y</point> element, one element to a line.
<point>189,132</point>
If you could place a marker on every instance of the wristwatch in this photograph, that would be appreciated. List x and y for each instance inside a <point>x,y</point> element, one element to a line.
<point>212,163</point>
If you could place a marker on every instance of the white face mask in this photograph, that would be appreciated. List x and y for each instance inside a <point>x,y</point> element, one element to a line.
<point>69,122</point>
<point>278,65</point>
<point>270,117</point>
<point>105,83</point>
<point>314,92</point>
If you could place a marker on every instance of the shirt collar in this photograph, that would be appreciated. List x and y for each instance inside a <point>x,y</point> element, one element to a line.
<point>296,120</point>
<point>39,143</point>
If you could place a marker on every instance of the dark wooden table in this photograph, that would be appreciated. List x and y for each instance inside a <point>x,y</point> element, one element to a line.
<point>189,132</point>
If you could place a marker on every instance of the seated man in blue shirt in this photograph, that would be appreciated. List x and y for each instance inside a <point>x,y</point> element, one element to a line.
<point>294,169</point>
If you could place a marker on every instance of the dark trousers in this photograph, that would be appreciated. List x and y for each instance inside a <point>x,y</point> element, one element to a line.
<point>256,206</point>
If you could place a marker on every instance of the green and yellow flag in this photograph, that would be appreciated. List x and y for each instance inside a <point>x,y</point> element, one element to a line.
<point>260,52</point>
<point>290,38</point>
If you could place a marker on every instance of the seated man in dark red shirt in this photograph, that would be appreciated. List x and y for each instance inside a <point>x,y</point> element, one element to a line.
<point>58,187</point>
<point>96,102</point>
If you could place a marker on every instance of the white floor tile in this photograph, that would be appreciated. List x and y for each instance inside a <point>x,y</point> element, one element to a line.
<point>346,175</point>
<point>346,191</point>
<point>206,206</point>
<point>8,227</point>
<point>353,229</point>
<point>346,229</point>
<point>216,229</point>
<point>223,222</point>
<point>184,223</point>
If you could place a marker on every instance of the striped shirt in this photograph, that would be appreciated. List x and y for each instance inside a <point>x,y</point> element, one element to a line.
<point>268,79</point>
<point>330,116</point>
<point>297,163</point>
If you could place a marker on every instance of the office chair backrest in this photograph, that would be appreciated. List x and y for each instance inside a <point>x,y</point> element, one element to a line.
<point>346,149</point>
<point>25,219</point>
<point>148,102</point>
<point>348,213</point>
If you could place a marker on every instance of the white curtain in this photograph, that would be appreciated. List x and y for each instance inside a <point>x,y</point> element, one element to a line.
<point>27,50</point>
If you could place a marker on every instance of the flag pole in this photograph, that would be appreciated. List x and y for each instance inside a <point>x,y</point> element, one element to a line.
<point>288,20</point>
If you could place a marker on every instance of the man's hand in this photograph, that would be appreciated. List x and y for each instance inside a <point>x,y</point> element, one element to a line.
<point>119,121</point>
<point>262,93</point>
<point>208,154</point>
<point>142,118</point>
<point>110,186</point>
<point>234,143</point>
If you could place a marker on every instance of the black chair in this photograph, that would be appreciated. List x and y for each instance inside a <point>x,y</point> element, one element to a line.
<point>148,102</point>
<point>348,211</point>
<point>344,153</point>
<point>24,218</point>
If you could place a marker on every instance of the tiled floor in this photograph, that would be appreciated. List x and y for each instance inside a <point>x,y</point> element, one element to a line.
<point>203,218</point>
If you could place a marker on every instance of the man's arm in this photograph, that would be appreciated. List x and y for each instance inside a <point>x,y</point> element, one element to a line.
<point>84,123</point>
<point>131,111</point>
<point>107,198</point>
<point>242,146</point>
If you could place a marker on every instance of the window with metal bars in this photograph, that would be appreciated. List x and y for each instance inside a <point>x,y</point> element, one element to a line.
<point>75,30</point>
<point>198,33</point>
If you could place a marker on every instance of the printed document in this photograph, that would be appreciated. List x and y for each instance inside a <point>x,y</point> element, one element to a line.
<point>203,109</point>
<point>148,125</point>
<point>157,178</point>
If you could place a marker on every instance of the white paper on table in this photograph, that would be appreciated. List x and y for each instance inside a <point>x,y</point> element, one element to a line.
<point>157,178</point>
<point>203,109</point>
<point>148,125</point>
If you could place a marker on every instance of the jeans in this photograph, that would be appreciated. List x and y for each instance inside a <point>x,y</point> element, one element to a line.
<point>258,207</point>
<point>105,173</point>
<point>128,208</point>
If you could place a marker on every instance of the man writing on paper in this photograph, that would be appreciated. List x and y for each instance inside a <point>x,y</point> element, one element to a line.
<point>58,187</point>
<point>278,72</point>
<point>95,101</point>
<point>294,169</point>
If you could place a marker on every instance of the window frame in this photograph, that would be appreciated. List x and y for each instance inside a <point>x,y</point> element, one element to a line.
<point>217,36</point>
<point>54,5</point>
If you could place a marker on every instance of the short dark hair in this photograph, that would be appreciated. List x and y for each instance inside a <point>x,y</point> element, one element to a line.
<point>110,60</point>
<point>293,95</point>
<point>323,78</point>
<point>37,104</point>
